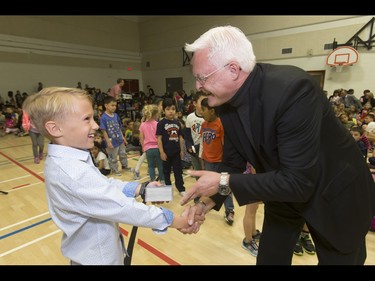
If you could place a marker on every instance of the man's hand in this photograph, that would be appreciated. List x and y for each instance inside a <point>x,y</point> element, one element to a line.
<point>206,185</point>
<point>196,216</point>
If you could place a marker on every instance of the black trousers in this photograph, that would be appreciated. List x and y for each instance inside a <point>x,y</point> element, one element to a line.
<point>175,162</point>
<point>281,228</point>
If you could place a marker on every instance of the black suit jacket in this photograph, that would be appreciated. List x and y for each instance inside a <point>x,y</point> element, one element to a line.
<point>282,123</point>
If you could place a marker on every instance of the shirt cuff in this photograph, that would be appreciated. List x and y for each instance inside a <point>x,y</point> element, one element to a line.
<point>168,217</point>
<point>129,189</point>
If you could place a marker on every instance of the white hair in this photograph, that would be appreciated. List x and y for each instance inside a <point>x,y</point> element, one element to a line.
<point>225,44</point>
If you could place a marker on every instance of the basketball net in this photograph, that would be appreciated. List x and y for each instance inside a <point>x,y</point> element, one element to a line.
<point>339,67</point>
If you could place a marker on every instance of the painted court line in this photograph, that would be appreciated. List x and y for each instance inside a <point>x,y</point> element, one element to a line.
<point>13,179</point>
<point>151,249</point>
<point>21,222</point>
<point>22,166</point>
<point>29,243</point>
<point>157,253</point>
<point>22,185</point>
<point>19,188</point>
<point>24,228</point>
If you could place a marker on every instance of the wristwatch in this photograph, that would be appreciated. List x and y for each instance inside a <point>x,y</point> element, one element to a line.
<point>223,188</point>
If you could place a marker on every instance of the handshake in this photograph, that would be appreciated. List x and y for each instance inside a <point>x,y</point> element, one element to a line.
<point>190,219</point>
<point>193,215</point>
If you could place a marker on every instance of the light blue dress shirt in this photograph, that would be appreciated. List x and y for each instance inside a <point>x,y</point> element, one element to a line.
<point>87,206</point>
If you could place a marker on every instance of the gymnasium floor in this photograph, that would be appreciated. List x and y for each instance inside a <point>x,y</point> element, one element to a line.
<point>29,237</point>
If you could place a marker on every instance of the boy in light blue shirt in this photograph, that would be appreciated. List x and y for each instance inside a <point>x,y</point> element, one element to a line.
<point>86,205</point>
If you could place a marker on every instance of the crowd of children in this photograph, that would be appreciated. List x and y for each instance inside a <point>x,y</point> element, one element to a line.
<point>174,134</point>
<point>358,116</point>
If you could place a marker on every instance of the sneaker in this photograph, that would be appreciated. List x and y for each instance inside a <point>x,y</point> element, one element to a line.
<point>298,250</point>
<point>256,236</point>
<point>117,173</point>
<point>307,244</point>
<point>135,174</point>
<point>41,156</point>
<point>182,193</point>
<point>229,217</point>
<point>36,160</point>
<point>252,247</point>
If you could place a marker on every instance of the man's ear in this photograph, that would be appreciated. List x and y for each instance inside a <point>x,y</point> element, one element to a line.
<point>53,129</point>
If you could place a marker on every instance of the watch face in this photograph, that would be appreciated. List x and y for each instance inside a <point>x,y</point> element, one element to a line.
<point>224,190</point>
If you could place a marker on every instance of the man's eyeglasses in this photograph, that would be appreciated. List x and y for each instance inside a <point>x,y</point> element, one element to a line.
<point>202,79</point>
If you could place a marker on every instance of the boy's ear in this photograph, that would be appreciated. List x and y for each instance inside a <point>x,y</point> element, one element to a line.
<point>53,129</point>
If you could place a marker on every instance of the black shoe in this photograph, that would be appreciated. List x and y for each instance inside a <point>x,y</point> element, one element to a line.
<point>256,237</point>
<point>298,250</point>
<point>229,217</point>
<point>307,244</point>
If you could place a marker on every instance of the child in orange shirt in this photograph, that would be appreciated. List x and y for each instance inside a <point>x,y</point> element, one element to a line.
<point>212,133</point>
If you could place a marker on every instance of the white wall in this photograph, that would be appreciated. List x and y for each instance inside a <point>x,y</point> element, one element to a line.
<point>92,63</point>
<point>27,76</point>
<point>359,77</point>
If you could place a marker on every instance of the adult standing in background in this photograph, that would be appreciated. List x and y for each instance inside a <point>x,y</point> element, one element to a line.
<point>117,89</point>
<point>151,93</point>
<point>278,119</point>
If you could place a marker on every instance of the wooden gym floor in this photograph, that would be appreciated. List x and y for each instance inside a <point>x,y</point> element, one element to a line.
<point>28,236</point>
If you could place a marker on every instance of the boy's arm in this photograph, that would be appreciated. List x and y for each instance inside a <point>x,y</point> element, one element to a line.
<point>200,147</point>
<point>141,139</point>
<point>188,139</point>
<point>182,143</point>
<point>163,156</point>
<point>160,143</point>
<point>101,164</point>
<point>107,140</point>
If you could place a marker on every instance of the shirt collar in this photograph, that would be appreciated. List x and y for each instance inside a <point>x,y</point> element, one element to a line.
<point>241,97</point>
<point>56,150</point>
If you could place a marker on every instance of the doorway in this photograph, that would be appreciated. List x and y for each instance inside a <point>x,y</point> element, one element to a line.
<point>318,76</point>
<point>173,84</point>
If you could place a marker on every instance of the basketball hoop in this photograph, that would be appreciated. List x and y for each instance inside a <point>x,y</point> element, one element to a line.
<point>342,56</point>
